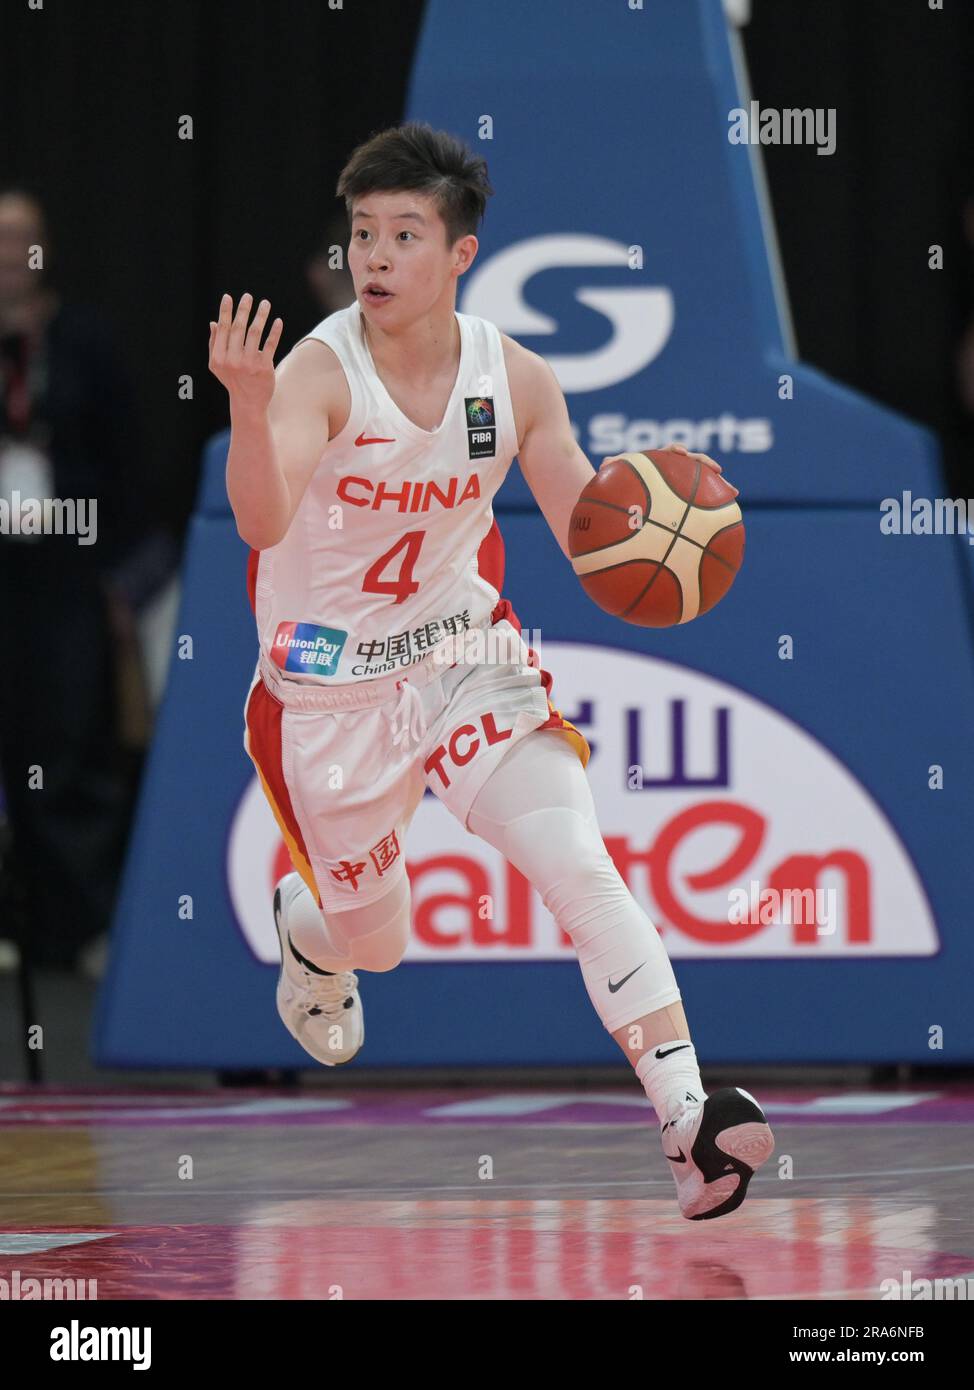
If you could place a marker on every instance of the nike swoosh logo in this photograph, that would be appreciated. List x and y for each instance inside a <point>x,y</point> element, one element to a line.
<point>679,1157</point>
<point>614,988</point>
<point>362,439</point>
<point>669,1051</point>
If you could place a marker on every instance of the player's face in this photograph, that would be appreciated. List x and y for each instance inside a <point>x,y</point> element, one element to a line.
<point>398,241</point>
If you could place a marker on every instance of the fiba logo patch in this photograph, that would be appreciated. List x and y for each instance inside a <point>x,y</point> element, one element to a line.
<point>481,427</point>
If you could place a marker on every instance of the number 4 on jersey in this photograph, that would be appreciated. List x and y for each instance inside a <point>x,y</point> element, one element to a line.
<point>403,584</point>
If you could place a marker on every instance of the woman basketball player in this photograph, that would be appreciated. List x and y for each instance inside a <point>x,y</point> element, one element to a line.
<point>361,473</point>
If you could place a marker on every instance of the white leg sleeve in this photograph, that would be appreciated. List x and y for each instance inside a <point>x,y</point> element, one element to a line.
<point>537,809</point>
<point>374,937</point>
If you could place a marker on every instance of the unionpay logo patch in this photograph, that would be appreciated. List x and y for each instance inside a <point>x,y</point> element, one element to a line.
<point>481,426</point>
<point>307,648</point>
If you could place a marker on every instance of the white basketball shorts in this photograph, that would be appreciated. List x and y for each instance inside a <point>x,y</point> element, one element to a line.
<point>345,767</point>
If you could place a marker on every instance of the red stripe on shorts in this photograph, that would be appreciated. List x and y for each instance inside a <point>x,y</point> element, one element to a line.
<point>555,720</point>
<point>253,560</point>
<point>490,558</point>
<point>263,719</point>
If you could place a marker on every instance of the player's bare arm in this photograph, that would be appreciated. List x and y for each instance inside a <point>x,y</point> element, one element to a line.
<point>278,418</point>
<point>555,467</point>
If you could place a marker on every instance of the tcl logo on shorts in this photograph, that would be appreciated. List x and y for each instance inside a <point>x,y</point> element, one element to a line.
<point>462,746</point>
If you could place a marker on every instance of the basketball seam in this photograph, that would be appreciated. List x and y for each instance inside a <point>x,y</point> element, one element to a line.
<point>662,526</point>
<point>660,563</point>
<point>613,506</point>
<point>707,551</point>
<point>647,495</point>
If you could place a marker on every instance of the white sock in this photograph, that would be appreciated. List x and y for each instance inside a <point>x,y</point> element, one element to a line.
<point>671,1081</point>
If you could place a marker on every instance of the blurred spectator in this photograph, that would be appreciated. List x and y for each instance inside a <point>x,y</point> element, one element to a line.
<point>72,699</point>
<point>327,269</point>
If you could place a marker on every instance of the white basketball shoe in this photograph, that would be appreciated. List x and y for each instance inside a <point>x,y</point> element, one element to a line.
<point>322,1012</point>
<point>714,1149</point>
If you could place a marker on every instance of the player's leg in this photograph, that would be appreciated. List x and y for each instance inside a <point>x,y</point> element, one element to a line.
<point>318,996</point>
<point>346,905</point>
<point>373,937</point>
<point>536,808</point>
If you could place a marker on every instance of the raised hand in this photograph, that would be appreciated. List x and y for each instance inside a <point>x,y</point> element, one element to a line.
<point>236,357</point>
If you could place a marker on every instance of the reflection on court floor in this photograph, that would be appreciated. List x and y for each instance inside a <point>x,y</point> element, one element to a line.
<point>472,1194</point>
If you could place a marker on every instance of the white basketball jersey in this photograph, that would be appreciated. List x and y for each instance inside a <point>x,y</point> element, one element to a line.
<point>394,545</point>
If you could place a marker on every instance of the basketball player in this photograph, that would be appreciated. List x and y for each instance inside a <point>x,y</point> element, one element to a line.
<point>361,474</point>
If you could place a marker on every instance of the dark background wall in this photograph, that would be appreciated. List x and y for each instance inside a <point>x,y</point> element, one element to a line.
<point>152,229</point>
<point>855,227</point>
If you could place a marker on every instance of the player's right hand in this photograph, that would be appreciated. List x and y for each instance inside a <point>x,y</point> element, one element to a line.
<point>236,356</point>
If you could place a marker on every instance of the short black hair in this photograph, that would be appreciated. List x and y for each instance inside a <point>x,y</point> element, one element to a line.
<point>419,159</point>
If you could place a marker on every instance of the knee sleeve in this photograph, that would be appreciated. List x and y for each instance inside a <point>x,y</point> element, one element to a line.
<point>373,937</point>
<point>537,809</point>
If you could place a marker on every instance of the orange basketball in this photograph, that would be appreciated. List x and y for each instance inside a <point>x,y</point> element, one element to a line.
<point>656,538</point>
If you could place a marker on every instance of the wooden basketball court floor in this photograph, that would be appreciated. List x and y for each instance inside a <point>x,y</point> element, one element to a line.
<point>473,1194</point>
